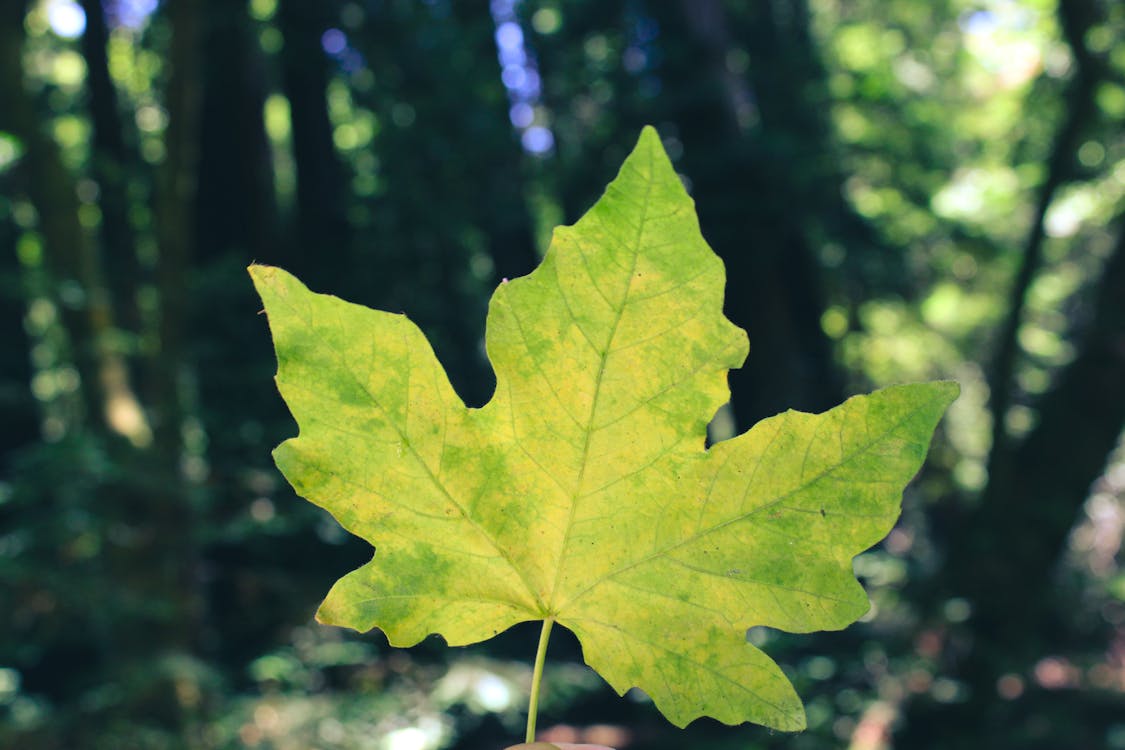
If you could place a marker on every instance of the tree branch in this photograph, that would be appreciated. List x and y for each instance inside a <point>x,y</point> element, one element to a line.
<point>1076,18</point>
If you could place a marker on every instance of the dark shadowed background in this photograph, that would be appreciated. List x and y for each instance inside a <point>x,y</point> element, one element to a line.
<point>901,190</point>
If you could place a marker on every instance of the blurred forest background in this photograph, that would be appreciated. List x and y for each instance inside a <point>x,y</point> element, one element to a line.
<point>900,190</point>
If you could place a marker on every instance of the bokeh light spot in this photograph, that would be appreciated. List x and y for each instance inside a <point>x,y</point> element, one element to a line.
<point>493,693</point>
<point>521,115</point>
<point>132,14</point>
<point>410,738</point>
<point>333,41</point>
<point>66,17</point>
<point>509,35</point>
<point>538,140</point>
<point>1009,687</point>
<point>546,20</point>
<point>514,76</point>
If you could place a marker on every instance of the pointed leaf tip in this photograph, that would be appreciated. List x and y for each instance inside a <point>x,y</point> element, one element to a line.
<point>259,271</point>
<point>651,147</point>
<point>650,136</point>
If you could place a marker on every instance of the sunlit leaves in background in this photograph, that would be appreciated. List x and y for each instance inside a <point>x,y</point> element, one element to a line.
<point>948,113</point>
<point>389,702</point>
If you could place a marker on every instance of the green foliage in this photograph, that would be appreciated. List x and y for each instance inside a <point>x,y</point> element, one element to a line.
<point>583,493</point>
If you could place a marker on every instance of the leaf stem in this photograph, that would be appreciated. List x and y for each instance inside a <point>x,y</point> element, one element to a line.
<point>537,677</point>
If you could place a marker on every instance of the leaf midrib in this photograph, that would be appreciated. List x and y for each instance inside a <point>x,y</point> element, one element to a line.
<point>588,431</point>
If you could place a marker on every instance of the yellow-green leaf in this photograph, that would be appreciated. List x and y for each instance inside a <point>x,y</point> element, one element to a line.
<point>583,491</point>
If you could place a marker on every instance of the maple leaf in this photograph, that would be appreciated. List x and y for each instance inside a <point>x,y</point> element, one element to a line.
<point>583,494</point>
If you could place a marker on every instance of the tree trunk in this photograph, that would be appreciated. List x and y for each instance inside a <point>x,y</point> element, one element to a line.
<point>21,415</point>
<point>1004,551</point>
<point>1076,18</point>
<point>77,280</point>
<point>321,206</point>
<point>757,201</point>
<point>236,206</point>
<point>171,515</point>
<point>112,165</point>
<point>454,190</point>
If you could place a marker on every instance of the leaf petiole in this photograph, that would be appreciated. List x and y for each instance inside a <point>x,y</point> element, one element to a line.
<point>537,677</point>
